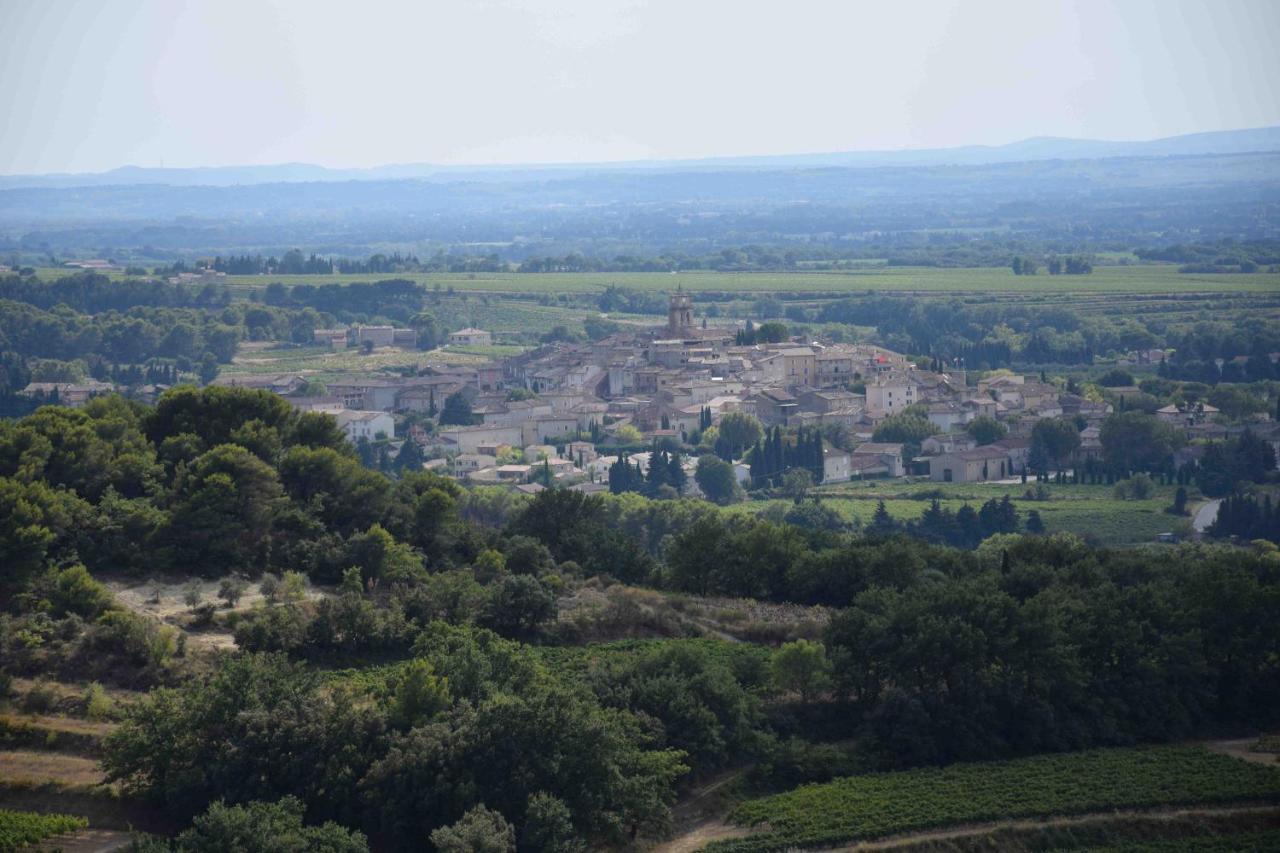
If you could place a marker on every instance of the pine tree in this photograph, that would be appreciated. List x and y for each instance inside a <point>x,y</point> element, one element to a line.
<point>676,476</point>
<point>409,458</point>
<point>881,521</point>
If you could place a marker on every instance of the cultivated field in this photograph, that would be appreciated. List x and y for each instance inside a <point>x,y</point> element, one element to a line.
<point>885,804</point>
<point>1134,278</point>
<point>1138,278</point>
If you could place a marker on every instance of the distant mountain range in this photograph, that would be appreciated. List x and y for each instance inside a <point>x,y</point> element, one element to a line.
<point>1263,139</point>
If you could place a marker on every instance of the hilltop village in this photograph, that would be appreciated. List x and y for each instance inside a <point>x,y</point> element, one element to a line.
<point>570,413</point>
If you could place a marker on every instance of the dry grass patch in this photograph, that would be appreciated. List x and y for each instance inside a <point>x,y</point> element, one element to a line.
<point>27,768</point>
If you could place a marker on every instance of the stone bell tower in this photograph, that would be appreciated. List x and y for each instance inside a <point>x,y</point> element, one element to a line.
<point>679,313</point>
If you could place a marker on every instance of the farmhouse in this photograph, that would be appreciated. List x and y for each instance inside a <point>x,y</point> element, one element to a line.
<point>370,425</point>
<point>470,337</point>
<point>888,456</point>
<point>971,466</point>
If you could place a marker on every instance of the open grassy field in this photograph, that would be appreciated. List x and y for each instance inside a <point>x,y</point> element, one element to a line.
<point>1144,278</point>
<point>883,804</point>
<point>1080,509</point>
<point>324,364</point>
<point>1135,278</point>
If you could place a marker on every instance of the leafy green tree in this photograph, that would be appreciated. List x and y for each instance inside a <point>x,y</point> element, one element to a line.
<point>905,428</point>
<point>548,827</point>
<point>259,439</point>
<point>334,487</point>
<point>985,429</point>
<point>771,333</point>
<point>419,696</point>
<point>1134,441</point>
<point>518,605</point>
<point>381,558</point>
<point>258,827</point>
<point>317,430</point>
<point>796,482</point>
<point>737,432</point>
<point>409,458</point>
<point>259,728</point>
<point>223,511</point>
<point>801,666</point>
<point>457,410</point>
<point>480,830</point>
<point>75,591</point>
<point>232,589</point>
<point>1054,440</point>
<point>717,480</point>
<point>428,329</point>
<point>214,413</point>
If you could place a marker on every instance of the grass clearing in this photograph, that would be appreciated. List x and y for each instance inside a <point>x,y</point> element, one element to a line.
<point>1079,509</point>
<point>884,804</point>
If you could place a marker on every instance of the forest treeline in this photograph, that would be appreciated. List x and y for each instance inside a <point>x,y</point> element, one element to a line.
<point>1026,643</point>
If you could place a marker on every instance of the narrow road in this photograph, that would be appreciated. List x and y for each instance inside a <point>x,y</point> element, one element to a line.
<point>1206,514</point>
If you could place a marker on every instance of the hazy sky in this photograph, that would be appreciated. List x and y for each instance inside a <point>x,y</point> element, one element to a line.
<point>87,85</point>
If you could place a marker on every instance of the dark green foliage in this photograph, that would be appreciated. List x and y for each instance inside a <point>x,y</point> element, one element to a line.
<point>1227,464</point>
<point>1134,441</point>
<point>577,527</point>
<point>457,410</point>
<point>1247,517</point>
<point>222,512</point>
<point>261,827</point>
<point>771,458</point>
<point>716,478</point>
<point>696,700</point>
<point>548,827</point>
<point>1053,440</point>
<point>518,605</point>
<point>985,429</point>
<point>290,737</point>
<point>1088,678</point>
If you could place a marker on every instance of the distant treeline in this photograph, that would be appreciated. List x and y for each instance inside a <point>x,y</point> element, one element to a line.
<point>1004,333</point>
<point>1225,256</point>
<point>293,263</point>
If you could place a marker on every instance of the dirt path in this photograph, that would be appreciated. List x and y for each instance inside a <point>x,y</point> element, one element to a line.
<point>970,830</point>
<point>1206,515</point>
<point>699,835</point>
<point>699,816</point>
<point>1242,749</point>
<point>87,841</point>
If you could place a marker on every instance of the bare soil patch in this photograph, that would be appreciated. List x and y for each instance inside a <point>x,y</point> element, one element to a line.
<point>25,767</point>
<point>1242,748</point>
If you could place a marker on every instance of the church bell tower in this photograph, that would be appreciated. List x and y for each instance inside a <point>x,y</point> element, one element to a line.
<point>679,313</point>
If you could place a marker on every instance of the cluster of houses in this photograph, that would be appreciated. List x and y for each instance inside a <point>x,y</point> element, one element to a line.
<point>664,383</point>
<point>544,413</point>
<point>371,336</point>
